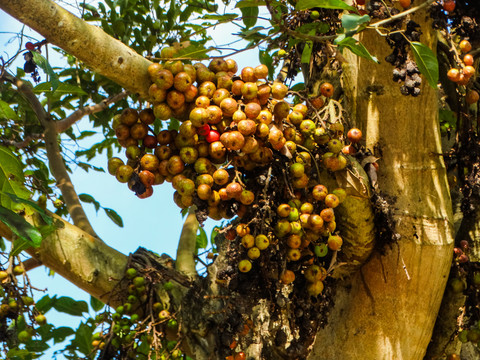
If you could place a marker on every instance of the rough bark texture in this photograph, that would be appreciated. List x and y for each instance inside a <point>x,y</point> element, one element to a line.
<point>82,259</point>
<point>387,311</point>
<point>88,43</point>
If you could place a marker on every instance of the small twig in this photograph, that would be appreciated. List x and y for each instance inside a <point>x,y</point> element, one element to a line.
<point>55,159</point>
<point>308,37</point>
<point>400,15</point>
<point>24,143</point>
<point>65,124</point>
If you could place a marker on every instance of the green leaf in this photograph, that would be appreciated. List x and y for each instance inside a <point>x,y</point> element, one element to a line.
<point>96,304</point>
<point>62,89</point>
<point>45,303</point>
<point>319,27</point>
<point>61,333</point>
<point>307,50</point>
<point>45,66</point>
<point>20,227</point>
<point>36,346</point>
<point>325,4</point>
<point>70,306</point>
<point>298,87</point>
<point>6,112</point>
<point>352,21</point>
<point>112,214</point>
<point>267,59</point>
<point>86,198</point>
<point>45,217</point>
<point>220,18</point>
<point>213,235</point>
<point>426,61</point>
<point>83,339</point>
<point>249,16</point>
<point>202,239</point>
<point>356,47</point>
<point>249,3</point>
<point>11,177</point>
<point>448,116</point>
<point>197,51</point>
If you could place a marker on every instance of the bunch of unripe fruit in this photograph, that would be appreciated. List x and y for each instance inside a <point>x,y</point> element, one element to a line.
<point>17,306</point>
<point>128,328</point>
<point>231,127</point>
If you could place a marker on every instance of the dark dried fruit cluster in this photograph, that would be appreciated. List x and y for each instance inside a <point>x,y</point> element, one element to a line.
<point>405,69</point>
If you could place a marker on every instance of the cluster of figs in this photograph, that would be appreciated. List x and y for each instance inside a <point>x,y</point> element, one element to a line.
<point>234,130</point>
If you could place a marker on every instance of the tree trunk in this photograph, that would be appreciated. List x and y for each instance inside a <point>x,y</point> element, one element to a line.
<point>388,309</point>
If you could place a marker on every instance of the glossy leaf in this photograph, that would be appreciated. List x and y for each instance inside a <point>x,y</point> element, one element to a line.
<point>45,303</point>
<point>45,66</point>
<point>249,16</point>
<point>202,239</point>
<point>11,177</point>
<point>112,214</point>
<point>36,346</point>
<point>89,199</point>
<point>325,4</point>
<point>46,87</point>
<point>45,217</point>
<point>357,48</point>
<point>96,304</point>
<point>70,306</point>
<point>307,50</point>
<point>61,333</point>
<point>249,3</point>
<point>352,21</point>
<point>426,61</point>
<point>20,227</point>
<point>6,112</point>
<point>83,338</point>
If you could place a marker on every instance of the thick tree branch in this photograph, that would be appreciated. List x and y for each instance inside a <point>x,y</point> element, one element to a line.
<point>66,123</point>
<point>82,259</point>
<point>185,262</point>
<point>88,43</point>
<point>55,160</point>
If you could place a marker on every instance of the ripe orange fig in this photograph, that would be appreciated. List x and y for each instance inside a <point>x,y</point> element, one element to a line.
<point>468,60</point>
<point>354,135</point>
<point>147,178</point>
<point>287,277</point>
<point>405,3</point>
<point>242,230</point>
<point>261,71</point>
<point>326,89</point>
<point>465,46</point>
<point>449,5</point>
<point>453,75</point>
